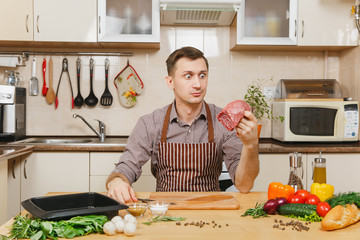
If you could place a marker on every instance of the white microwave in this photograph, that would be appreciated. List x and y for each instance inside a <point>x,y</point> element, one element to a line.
<point>316,120</point>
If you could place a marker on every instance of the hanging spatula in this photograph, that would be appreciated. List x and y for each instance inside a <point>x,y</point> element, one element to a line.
<point>106,99</point>
<point>34,83</point>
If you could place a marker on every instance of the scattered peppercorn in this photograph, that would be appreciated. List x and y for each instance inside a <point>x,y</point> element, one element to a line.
<point>295,225</point>
<point>202,224</point>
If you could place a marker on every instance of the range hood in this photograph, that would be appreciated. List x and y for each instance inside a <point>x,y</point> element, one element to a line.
<point>198,12</point>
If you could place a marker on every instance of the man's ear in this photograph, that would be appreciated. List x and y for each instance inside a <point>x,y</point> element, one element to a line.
<point>170,82</point>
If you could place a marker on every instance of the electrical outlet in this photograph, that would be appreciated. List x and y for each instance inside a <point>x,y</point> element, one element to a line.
<point>269,92</point>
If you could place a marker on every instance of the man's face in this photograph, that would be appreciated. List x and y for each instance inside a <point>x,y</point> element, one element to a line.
<point>189,80</point>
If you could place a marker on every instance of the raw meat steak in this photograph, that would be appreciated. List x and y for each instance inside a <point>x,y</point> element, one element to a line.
<point>232,113</point>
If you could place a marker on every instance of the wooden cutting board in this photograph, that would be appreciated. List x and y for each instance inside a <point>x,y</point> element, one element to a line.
<point>197,200</point>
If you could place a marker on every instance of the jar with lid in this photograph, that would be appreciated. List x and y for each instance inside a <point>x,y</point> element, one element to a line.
<point>296,171</point>
<point>319,171</point>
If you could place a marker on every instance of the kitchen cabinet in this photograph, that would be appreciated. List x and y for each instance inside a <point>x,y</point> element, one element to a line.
<point>54,172</point>
<point>326,23</point>
<point>14,186</point>
<point>261,22</point>
<point>16,20</point>
<point>275,168</point>
<point>101,165</point>
<point>38,173</point>
<point>129,21</point>
<point>286,24</point>
<point>3,187</point>
<point>65,20</point>
<point>342,170</point>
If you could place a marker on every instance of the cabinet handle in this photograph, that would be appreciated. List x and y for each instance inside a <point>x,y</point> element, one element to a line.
<point>25,175</point>
<point>13,169</point>
<point>37,23</point>
<point>295,28</point>
<point>99,25</point>
<point>302,32</point>
<point>27,23</point>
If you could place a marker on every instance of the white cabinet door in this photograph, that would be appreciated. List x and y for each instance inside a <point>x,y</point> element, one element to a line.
<point>129,21</point>
<point>3,189</point>
<point>326,23</point>
<point>13,187</point>
<point>16,20</point>
<point>274,168</point>
<point>342,170</point>
<point>262,22</point>
<point>101,165</point>
<point>65,20</point>
<point>54,172</point>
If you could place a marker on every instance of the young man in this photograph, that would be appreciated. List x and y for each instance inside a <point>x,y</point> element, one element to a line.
<point>184,140</point>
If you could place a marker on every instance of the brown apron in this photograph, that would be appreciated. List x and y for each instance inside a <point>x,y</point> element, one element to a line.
<point>188,166</point>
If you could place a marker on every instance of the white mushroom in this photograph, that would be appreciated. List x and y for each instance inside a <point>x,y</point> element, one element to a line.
<point>130,229</point>
<point>109,228</point>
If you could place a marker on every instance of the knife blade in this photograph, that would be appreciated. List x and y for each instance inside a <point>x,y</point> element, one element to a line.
<point>146,200</point>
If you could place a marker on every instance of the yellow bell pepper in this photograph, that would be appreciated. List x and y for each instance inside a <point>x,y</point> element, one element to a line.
<point>323,191</point>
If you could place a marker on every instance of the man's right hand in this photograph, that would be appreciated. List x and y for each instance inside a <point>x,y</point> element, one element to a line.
<point>121,191</point>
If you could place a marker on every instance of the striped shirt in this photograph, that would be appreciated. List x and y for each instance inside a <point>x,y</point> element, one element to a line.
<point>143,142</point>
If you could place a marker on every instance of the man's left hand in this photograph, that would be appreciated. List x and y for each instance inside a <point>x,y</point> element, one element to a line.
<point>247,129</point>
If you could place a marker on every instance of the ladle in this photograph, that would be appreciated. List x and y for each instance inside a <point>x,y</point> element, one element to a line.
<point>91,100</point>
<point>79,100</point>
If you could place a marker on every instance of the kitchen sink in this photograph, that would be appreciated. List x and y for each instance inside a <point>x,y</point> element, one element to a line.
<point>59,141</point>
<point>78,141</point>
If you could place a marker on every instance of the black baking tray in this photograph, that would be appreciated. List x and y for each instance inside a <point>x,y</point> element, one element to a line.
<point>61,207</point>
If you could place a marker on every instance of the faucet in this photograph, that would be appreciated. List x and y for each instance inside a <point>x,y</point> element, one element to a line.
<point>101,135</point>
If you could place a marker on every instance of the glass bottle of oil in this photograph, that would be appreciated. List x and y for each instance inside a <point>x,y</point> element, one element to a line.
<point>319,174</point>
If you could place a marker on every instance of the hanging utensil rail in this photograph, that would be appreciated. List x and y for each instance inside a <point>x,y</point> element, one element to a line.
<point>25,54</point>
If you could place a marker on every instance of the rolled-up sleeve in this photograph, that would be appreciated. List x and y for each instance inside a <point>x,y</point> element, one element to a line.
<point>137,153</point>
<point>232,148</point>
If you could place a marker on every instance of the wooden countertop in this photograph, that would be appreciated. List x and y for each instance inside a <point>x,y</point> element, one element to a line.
<point>7,152</point>
<point>238,227</point>
<point>269,145</point>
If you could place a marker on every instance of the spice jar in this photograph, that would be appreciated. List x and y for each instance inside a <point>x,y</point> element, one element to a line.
<point>319,171</point>
<point>296,171</point>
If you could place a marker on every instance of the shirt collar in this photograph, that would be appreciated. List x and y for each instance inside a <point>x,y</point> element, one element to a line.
<point>174,115</point>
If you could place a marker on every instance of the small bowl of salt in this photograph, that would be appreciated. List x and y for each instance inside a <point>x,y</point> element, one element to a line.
<point>158,208</point>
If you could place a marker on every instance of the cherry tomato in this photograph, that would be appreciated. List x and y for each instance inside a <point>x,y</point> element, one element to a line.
<point>312,199</point>
<point>303,193</point>
<point>296,199</point>
<point>322,209</point>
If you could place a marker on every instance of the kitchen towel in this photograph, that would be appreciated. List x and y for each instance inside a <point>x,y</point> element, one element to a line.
<point>10,60</point>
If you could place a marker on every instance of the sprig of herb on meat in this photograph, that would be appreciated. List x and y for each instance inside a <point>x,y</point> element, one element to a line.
<point>164,219</point>
<point>256,212</point>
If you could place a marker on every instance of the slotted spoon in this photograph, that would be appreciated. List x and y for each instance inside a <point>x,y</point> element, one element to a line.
<point>106,99</point>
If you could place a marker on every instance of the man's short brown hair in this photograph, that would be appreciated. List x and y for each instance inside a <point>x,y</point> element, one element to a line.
<point>185,52</point>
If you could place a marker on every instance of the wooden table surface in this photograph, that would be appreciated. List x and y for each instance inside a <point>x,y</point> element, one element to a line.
<point>238,227</point>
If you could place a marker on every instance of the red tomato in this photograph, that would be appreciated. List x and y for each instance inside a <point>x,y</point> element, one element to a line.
<point>323,208</point>
<point>312,199</point>
<point>296,199</point>
<point>303,193</point>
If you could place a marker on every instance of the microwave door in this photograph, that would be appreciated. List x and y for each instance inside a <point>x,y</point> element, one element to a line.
<point>312,121</point>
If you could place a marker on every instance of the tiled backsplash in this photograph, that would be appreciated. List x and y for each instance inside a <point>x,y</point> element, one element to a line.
<point>229,75</point>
